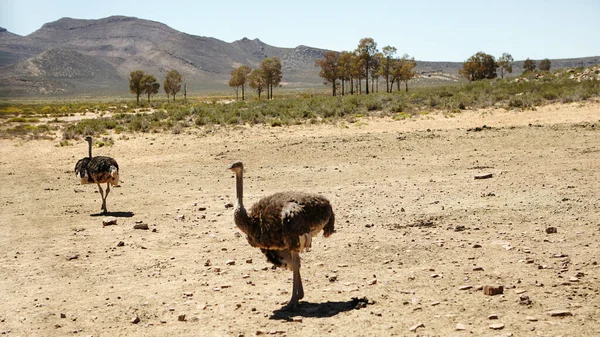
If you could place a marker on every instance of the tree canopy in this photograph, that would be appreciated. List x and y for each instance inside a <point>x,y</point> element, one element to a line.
<point>529,65</point>
<point>256,80</point>
<point>366,49</point>
<point>172,83</point>
<point>239,76</point>
<point>329,68</point>
<point>135,83</point>
<point>505,63</point>
<point>271,68</point>
<point>149,85</point>
<point>479,66</point>
<point>545,65</point>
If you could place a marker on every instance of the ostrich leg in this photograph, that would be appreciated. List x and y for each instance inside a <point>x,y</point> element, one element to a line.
<point>297,287</point>
<point>103,199</point>
<point>106,196</point>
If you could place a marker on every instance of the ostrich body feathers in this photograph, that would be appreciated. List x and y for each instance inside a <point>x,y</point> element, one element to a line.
<point>98,169</point>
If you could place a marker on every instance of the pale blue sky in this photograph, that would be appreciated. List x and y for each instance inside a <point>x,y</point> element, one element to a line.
<point>432,30</point>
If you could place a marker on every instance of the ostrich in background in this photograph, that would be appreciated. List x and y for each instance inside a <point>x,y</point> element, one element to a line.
<point>282,225</point>
<point>98,170</point>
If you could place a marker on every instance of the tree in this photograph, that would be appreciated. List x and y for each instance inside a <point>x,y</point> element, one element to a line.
<point>479,66</point>
<point>545,65</point>
<point>256,80</point>
<point>505,63</point>
<point>149,85</point>
<point>239,76</point>
<point>271,68</point>
<point>329,68</point>
<point>407,72</point>
<point>376,71</point>
<point>367,48</point>
<point>184,91</point>
<point>344,62</point>
<point>529,65</point>
<point>135,86</point>
<point>172,83</point>
<point>386,65</point>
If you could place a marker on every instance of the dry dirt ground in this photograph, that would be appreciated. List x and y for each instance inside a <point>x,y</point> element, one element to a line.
<point>417,237</point>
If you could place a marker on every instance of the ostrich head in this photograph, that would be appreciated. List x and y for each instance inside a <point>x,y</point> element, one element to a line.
<point>88,139</point>
<point>236,167</point>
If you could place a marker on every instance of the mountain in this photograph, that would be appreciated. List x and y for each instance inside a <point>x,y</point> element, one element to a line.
<point>74,56</point>
<point>97,52</point>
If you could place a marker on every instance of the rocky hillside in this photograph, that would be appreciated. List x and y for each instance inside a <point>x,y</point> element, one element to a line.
<point>81,56</point>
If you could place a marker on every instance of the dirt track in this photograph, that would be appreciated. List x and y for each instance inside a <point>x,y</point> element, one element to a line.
<point>417,235</point>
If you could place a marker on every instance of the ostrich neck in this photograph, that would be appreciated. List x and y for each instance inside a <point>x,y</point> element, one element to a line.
<point>90,149</point>
<point>240,215</point>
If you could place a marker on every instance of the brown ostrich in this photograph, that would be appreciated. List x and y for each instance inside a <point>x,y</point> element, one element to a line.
<point>282,225</point>
<point>98,170</point>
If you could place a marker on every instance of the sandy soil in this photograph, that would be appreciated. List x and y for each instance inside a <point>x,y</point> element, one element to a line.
<point>417,237</point>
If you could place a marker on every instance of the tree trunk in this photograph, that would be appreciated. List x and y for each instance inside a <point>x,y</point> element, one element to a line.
<point>406,85</point>
<point>148,98</point>
<point>173,97</point>
<point>351,86</point>
<point>343,86</point>
<point>243,98</point>
<point>367,76</point>
<point>138,99</point>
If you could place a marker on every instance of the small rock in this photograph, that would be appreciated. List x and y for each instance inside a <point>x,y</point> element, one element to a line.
<point>493,316</point>
<point>120,244</point>
<point>207,263</point>
<point>372,282</point>
<point>465,287</point>
<point>230,262</point>
<point>297,319</point>
<point>560,313</point>
<point>111,220</point>
<point>551,230</point>
<point>460,327</point>
<point>476,245</point>
<point>63,315</point>
<point>73,257</point>
<point>202,208</point>
<point>524,300</point>
<point>228,205</point>
<point>143,226</point>
<point>181,217</point>
<point>135,319</point>
<point>497,326</point>
<point>493,290</point>
<point>478,269</point>
<point>249,260</point>
<point>416,326</point>
<point>531,319</point>
<point>181,318</point>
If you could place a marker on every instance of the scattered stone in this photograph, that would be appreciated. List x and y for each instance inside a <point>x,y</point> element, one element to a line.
<point>73,257</point>
<point>63,315</point>
<point>476,245</point>
<point>181,318</point>
<point>230,262</point>
<point>560,313</point>
<point>573,279</point>
<point>579,274</point>
<point>120,244</point>
<point>202,209</point>
<point>181,217</point>
<point>465,287</point>
<point>531,319</point>
<point>478,269</point>
<point>524,300</point>
<point>135,319</point>
<point>460,327</point>
<point>497,326</point>
<point>416,326</point>
<point>493,290</point>
<point>249,260</point>
<point>459,228</point>
<point>493,316</point>
<point>228,205</point>
<point>108,221</point>
<point>207,263</point>
<point>297,319</point>
<point>484,176</point>
<point>372,282</point>
<point>143,226</point>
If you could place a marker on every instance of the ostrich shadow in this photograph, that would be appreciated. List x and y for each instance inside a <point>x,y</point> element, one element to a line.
<point>320,310</point>
<point>115,214</point>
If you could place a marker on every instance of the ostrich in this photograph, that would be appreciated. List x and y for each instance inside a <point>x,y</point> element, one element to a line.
<point>98,170</point>
<point>282,225</point>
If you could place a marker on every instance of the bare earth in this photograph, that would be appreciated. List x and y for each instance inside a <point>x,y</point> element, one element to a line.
<point>417,237</point>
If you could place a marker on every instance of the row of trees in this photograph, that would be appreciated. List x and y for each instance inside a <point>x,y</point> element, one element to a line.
<point>141,83</point>
<point>266,77</point>
<point>368,64</point>
<point>484,66</point>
